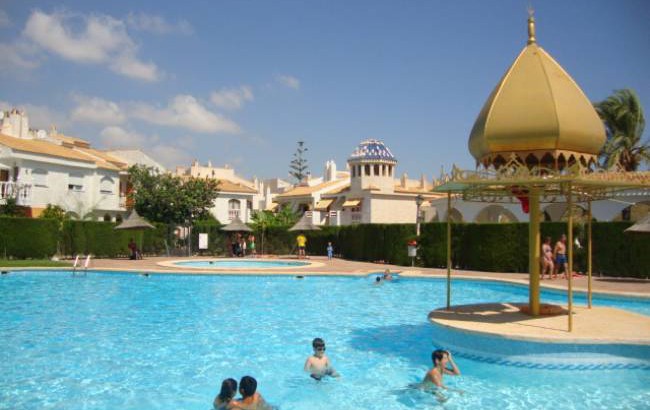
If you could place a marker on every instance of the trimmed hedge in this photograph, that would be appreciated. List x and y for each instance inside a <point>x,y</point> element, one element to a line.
<point>28,238</point>
<point>482,247</point>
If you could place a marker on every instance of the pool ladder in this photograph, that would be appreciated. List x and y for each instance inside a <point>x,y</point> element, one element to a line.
<point>75,265</point>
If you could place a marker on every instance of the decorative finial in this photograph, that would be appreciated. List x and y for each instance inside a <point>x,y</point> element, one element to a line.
<point>531,25</point>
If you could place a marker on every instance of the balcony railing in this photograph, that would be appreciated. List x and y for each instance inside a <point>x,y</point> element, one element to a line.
<point>22,192</point>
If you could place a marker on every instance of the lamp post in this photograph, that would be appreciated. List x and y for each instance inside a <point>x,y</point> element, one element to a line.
<point>418,202</point>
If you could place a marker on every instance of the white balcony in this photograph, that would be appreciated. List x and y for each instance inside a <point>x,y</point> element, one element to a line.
<point>22,192</point>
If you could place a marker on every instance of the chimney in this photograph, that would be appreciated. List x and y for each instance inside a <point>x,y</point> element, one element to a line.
<point>403,180</point>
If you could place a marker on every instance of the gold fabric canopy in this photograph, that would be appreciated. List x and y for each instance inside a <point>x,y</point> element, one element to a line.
<point>538,113</point>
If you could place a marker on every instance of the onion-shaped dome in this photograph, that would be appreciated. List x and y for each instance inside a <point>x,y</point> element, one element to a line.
<point>537,115</point>
<point>372,150</point>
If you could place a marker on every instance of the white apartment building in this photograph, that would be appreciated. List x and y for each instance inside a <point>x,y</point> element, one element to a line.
<point>238,197</point>
<point>40,168</point>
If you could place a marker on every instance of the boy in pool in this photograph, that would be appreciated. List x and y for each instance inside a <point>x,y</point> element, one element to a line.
<point>250,400</point>
<point>318,365</point>
<point>440,360</point>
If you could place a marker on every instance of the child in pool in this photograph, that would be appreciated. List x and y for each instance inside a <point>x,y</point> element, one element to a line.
<point>226,395</point>
<point>318,365</point>
<point>440,360</point>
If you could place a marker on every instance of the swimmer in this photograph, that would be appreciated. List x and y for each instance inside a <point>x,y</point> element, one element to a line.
<point>440,360</point>
<point>318,365</point>
<point>378,280</point>
<point>387,275</point>
<point>226,395</point>
<point>250,399</point>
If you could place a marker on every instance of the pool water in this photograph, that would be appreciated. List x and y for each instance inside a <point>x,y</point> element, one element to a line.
<point>240,263</point>
<point>121,341</point>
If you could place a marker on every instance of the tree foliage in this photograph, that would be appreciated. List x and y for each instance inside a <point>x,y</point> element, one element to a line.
<point>298,167</point>
<point>266,219</point>
<point>624,121</point>
<point>169,199</point>
<point>11,208</point>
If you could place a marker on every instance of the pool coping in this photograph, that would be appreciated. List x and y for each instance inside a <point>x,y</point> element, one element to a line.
<point>306,264</point>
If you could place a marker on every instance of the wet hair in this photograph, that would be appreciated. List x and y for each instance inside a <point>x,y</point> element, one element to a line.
<point>437,355</point>
<point>378,279</point>
<point>228,390</point>
<point>318,342</point>
<point>247,386</point>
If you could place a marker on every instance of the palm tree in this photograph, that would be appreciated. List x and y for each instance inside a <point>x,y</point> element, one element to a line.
<point>624,122</point>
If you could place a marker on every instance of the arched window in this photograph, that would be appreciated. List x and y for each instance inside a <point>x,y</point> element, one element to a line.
<point>118,219</point>
<point>107,218</point>
<point>367,173</point>
<point>376,169</point>
<point>234,206</point>
<point>106,185</point>
<point>39,177</point>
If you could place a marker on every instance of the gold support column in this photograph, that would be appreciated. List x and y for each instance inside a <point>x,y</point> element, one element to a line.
<point>448,250</point>
<point>534,246</point>
<point>589,254</point>
<point>569,249</point>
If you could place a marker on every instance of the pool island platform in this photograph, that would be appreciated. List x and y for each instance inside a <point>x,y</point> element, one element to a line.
<point>598,325</point>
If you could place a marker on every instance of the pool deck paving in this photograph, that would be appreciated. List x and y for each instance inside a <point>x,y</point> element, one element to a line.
<point>593,326</point>
<point>626,286</point>
<point>596,325</point>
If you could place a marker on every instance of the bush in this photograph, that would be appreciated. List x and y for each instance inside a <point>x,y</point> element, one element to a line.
<point>27,237</point>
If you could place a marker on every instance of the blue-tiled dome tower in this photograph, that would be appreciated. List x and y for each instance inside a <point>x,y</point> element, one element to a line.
<point>372,166</point>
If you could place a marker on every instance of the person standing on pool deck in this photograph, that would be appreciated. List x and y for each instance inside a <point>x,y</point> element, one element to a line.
<point>547,258</point>
<point>330,251</point>
<point>301,241</point>
<point>318,364</point>
<point>440,359</point>
<point>561,262</point>
<point>251,400</point>
<point>251,245</point>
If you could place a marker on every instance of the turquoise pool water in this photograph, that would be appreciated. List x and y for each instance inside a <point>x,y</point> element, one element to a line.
<point>241,263</point>
<point>121,341</point>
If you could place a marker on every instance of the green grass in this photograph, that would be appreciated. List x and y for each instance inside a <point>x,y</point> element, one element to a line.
<point>21,263</point>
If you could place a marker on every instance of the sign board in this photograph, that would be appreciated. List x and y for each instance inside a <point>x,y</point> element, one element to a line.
<point>412,251</point>
<point>203,241</point>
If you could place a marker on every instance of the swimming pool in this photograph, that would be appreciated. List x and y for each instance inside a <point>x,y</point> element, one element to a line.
<point>237,264</point>
<point>121,341</point>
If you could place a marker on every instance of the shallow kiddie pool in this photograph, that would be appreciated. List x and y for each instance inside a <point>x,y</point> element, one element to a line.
<point>124,341</point>
<point>238,264</point>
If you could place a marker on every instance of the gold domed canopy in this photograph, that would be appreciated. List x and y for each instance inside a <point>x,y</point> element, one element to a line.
<point>538,114</point>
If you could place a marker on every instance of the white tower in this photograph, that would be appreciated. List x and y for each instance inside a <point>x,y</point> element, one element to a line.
<point>372,166</point>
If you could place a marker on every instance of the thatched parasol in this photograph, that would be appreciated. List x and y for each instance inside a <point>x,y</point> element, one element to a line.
<point>641,227</point>
<point>236,225</point>
<point>135,222</point>
<point>304,224</point>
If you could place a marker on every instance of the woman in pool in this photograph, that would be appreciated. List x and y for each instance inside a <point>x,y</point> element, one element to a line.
<point>226,395</point>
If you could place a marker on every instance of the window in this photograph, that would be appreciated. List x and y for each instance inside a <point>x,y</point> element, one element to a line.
<point>39,177</point>
<point>76,182</point>
<point>367,169</point>
<point>234,207</point>
<point>356,214</point>
<point>106,185</point>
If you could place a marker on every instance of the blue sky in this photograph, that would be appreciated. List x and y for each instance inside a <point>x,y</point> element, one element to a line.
<point>239,82</point>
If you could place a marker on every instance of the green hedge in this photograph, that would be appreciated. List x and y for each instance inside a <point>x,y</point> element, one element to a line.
<point>27,237</point>
<point>481,247</point>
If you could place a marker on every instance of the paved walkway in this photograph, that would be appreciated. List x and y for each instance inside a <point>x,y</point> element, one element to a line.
<point>344,267</point>
<point>595,325</point>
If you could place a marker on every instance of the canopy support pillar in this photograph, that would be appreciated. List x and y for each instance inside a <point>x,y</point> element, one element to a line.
<point>448,250</point>
<point>589,254</point>
<point>569,250</point>
<point>534,244</point>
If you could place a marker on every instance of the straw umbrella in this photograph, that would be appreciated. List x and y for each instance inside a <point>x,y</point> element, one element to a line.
<point>304,224</point>
<point>236,225</point>
<point>640,228</point>
<point>135,222</point>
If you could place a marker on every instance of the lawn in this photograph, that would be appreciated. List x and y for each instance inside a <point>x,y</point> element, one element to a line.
<point>21,263</point>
